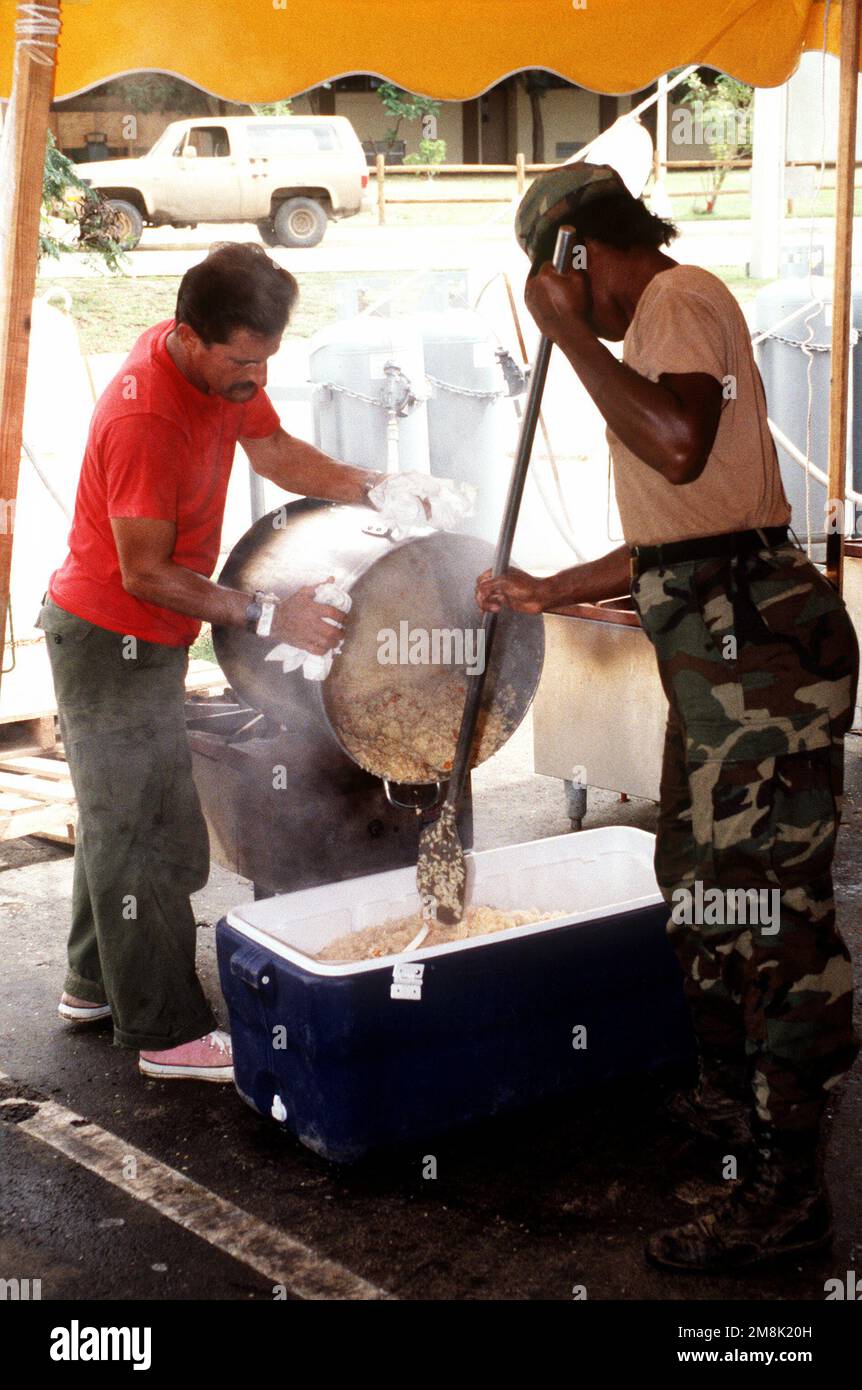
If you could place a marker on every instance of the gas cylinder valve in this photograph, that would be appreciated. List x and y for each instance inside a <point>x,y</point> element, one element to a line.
<point>397,394</point>
<point>514,377</point>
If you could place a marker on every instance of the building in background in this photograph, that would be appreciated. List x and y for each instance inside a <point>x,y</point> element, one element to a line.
<point>532,112</point>
<point>536,113</point>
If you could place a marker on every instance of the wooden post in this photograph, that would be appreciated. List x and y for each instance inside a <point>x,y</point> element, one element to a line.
<point>841,291</point>
<point>381,189</point>
<point>26,131</point>
<point>520,173</point>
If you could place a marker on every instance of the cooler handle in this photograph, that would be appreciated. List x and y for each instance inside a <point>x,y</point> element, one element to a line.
<point>254,967</point>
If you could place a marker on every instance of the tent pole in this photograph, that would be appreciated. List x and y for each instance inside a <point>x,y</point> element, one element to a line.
<point>841,294</point>
<point>24,159</point>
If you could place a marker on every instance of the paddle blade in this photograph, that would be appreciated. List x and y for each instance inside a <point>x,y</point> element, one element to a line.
<point>441,872</point>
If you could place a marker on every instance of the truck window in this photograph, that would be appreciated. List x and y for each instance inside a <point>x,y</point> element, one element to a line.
<point>210,141</point>
<point>263,140</point>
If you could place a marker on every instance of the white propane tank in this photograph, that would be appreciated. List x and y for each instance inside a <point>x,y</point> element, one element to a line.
<point>348,363</point>
<point>465,411</point>
<point>57,412</point>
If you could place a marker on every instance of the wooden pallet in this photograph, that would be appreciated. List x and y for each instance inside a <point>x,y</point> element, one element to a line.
<point>205,675</point>
<point>36,798</point>
<point>35,735</point>
<point>36,792</point>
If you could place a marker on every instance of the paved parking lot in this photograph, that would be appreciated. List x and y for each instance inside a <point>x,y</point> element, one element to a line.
<point>360,244</point>
<point>117,1187</point>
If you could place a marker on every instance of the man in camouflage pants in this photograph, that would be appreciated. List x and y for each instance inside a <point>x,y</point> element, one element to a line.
<point>759,662</point>
<point>756,805</point>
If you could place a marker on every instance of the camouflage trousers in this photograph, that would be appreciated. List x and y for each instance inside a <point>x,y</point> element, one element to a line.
<point>759,662</point>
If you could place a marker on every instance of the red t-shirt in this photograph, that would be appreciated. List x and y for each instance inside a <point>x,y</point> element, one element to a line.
<point>158,448</point>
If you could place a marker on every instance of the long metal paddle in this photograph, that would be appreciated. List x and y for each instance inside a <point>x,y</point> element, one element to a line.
<point>441,871</point>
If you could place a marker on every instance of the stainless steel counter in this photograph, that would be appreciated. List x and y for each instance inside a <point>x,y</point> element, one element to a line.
<point>600,712</point>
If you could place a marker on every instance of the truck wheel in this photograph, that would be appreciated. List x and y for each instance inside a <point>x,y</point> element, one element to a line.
<point>131,223</point>
<point>300,222</point>
<point>267,234</point>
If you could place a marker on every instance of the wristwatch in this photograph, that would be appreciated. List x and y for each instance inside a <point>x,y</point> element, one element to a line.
<point>260,612</point>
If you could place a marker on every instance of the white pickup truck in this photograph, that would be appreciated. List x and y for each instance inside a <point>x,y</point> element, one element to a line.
<point>288,174</point>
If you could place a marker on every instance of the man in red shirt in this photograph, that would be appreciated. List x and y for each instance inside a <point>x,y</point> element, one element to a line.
<point>119,616</point>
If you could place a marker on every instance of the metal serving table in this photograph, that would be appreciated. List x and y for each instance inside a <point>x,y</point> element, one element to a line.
<point>600,712</point>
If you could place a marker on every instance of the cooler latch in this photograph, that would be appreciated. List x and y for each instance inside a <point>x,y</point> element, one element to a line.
<point>406,981</point>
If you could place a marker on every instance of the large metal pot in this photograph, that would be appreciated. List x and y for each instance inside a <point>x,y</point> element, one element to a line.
<point>393,718</point>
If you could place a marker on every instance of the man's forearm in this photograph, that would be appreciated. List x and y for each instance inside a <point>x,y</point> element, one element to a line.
<point>645,415</point>
<point>173,586</point>
<point>608,577</point>
<point>300,467</point>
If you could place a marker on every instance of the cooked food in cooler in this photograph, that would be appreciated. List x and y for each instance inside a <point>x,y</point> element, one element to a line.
<point>390,937</point>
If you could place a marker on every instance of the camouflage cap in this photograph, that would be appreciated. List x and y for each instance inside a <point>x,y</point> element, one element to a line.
<point>573,184</point>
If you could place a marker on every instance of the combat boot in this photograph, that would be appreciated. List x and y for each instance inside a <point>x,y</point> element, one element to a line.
<point>781,1208</point>
<point>717,1108</point>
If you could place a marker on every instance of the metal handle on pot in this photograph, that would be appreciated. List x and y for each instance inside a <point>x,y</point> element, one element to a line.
<point>382,530</point>
<point>411,805</point>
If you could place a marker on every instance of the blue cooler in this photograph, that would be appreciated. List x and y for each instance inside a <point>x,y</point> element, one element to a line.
<point>352,1056</point>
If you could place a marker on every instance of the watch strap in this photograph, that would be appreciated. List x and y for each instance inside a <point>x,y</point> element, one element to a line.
<point>267,613</point>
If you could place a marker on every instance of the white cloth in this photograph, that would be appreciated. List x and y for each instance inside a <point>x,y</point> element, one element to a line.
<point>314,666</point>
<point>398,499</point>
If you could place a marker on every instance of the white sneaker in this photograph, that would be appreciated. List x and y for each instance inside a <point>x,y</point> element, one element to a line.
<point>81,1010</point>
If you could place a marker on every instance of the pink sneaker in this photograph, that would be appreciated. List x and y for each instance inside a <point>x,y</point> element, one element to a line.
<point>81,1010</point>
<point>206,1059</point>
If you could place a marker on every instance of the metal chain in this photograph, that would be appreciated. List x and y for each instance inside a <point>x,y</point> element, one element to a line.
<point>346,391</point>
<point>442,385</point>
<point>463,390</point>
<point>795,342</point>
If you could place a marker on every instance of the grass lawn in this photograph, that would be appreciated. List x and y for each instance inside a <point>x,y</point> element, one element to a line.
<point>735,198</point>
<point>687,188</point>
<point>742,286</point>
<point>202,647</point>
<point>111,313</point>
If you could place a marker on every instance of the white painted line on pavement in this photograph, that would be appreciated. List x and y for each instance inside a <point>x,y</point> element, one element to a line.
<point>280,1258</point>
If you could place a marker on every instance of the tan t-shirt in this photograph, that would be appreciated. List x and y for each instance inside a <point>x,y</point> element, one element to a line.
<point>687,320</point>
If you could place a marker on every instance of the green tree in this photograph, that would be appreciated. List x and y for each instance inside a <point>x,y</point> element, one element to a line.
<point>430,152</point>
<point>153,91</point>
<point>145,92</point>
<point>272,108</point>
<point>537,83</point>
<point>722,121</point>
<point>405,106</point>
<point>66,196</point>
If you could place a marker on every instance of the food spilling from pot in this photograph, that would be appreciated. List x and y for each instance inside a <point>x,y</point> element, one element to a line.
<point>409,735</point>
<point>395,695</point>
<point>390,937</point>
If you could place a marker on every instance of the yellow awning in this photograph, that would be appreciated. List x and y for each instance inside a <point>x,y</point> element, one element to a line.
<point>262,50</point>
